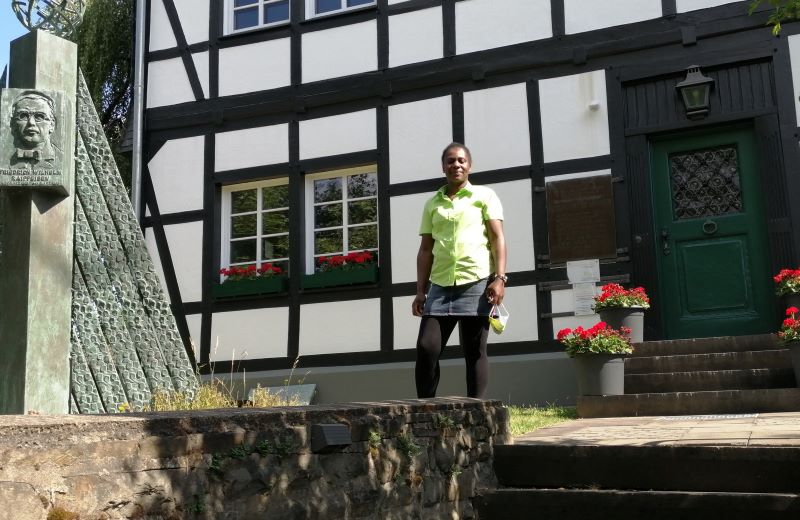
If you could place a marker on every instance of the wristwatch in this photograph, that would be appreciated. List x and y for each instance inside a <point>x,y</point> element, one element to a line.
<point>502,277</point>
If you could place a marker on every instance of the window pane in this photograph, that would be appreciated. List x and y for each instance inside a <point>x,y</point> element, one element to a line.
<point>276,197</point>
<point>326,6</point>
<point>243,201</point>
<point>362,211</point>
<point>326,190</point>
<point>277,12</point>
<point>351,3</point>
<point>243,226</point>
<point>327,242</point>
<point>275,222</point>
<point>364,185</point>
<point>329,215</point>
<point>243,251</point>
<point>245,18</point>
<point>275,247</point>
<point>363,237</point>
<point>240,3</point>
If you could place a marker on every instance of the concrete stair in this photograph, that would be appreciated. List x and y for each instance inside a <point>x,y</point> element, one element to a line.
<point>579,481</point>
<point>726,375</point>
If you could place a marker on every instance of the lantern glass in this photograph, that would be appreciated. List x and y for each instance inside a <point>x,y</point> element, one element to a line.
<point>695,97</point>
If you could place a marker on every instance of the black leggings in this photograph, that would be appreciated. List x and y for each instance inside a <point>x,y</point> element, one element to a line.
<point>434,331</point>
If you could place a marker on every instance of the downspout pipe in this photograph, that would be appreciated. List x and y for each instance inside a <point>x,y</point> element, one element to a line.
<point>138,109</point>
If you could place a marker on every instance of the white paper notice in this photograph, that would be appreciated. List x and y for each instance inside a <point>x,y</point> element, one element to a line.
<point>583,271</point>
<point>583,298</point>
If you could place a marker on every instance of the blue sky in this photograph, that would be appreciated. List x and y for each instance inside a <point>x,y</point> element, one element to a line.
<point>10,29</point>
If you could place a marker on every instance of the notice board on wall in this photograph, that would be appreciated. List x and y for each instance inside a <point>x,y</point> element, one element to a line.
<point>580,219</point>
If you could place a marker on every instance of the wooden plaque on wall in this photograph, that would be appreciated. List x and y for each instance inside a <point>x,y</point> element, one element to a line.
<point>580,219</point>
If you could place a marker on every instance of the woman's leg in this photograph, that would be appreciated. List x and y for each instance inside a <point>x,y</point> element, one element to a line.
<point>474,334</point>
<point>434,331</point>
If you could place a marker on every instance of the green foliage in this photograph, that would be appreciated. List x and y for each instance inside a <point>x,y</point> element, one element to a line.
<point>374,439</point>
<point>783,10</point>
<point>525,419</point>
<point>406,444</point>
<point>105,55</point>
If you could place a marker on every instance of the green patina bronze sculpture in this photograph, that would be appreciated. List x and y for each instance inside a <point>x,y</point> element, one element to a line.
<point>59,17</point>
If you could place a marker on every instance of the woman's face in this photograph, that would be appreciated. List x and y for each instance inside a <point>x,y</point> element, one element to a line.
<point>456,166</point>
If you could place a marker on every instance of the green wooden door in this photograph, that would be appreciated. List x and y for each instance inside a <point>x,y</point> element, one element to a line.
<point>711,236</point>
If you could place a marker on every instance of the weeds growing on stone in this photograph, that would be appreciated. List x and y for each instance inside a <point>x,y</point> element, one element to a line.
<point>444,422</point>
<point>406,444</point>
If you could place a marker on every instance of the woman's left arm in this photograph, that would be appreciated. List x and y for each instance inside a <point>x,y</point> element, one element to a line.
<point>497,241</point>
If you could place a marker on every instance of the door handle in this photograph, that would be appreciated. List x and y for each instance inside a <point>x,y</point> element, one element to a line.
<point>709,227</point>
<point>665,241</point>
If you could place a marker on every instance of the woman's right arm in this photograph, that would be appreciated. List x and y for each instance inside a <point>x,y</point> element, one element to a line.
<point>424,264</point>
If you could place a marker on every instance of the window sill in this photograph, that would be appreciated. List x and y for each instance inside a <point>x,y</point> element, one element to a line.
<point>341,12</point>
<point>337,278</point>
<point>253,287</point>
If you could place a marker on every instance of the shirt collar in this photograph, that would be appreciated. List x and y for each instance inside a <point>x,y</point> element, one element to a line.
<point>466,190</point>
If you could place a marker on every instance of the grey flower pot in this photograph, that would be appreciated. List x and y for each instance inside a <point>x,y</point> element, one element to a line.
<point>600,374</point>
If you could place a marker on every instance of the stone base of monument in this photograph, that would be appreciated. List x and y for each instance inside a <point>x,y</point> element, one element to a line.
<point>402,459</point>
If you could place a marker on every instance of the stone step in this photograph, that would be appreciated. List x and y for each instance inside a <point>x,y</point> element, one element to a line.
<point>690,403</point>
<point>706,380</point>
<point>706,345</point>
<point>595,504</point>
<point>720,468</point>
<point>750,359</point>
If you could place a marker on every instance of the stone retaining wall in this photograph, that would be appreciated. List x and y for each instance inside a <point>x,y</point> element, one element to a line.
<point>407,459</point>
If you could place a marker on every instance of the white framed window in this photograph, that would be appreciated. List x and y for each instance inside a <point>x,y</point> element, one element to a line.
<point>255,224</point>
<point>324,7</point>
<point>341,213</point>
<point>246,15</point>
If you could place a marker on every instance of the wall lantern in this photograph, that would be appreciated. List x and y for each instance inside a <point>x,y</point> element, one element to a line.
<point>694,92</point>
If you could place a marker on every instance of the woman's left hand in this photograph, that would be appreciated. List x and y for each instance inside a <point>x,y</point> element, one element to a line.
<point>495,291</point>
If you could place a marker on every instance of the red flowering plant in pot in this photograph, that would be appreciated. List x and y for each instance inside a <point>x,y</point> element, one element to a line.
<point>621,307</point>
<point>598,353</point>
<point>789,334</point>
<point>244,280</point>
<point>249,272</point>
<point>787,284</point>
<point>357,267</point>
<point>348,262</point>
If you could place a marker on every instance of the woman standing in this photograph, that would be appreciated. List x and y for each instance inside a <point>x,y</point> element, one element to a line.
<point>463,254</point>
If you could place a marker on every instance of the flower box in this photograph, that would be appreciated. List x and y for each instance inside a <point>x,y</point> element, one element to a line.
<point>250,287</point>
<point>361,275</point>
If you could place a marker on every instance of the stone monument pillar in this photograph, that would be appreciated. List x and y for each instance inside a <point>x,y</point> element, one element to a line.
<point>37,180</point>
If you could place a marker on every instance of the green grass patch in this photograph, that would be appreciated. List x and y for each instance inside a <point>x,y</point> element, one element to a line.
<point>525,419</point>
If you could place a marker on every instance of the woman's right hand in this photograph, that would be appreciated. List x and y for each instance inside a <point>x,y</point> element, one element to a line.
<point>419,304</point>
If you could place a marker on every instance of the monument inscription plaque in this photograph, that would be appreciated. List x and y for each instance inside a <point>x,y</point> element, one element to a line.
<point>32,140</point>
<point>580,219</point>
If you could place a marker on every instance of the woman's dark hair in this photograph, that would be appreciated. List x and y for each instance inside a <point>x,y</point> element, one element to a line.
<point>457,145</point>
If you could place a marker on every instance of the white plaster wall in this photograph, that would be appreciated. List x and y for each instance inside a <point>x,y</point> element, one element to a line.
<point>251,147</point>
<point>496,127</point>
<point>344,326</point>
<point>152,249</point>
<point>195,324</point>
<point>486,24</point>
<point>571,129</point>
<point>334,135</point>
<point>254,67</point>
<point>794,56</point>
<point>201,65</point>
<point>406,214</point>
<point>193,15</point>
<point>415,36</point>
<point>177,175</point>
<point>418,132</point>
<point>186,247</point>
<point>692,5</point>
<point>340,51</point>
<point>161,35</point>
<point>520,302</point>
<point>168,83</point>
<point>406,325</point>
<point>588,15</point>
<point>518,227</point>
<point>562,302</point>
<point>251,334</point>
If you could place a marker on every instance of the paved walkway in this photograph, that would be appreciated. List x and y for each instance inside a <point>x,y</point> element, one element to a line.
<point>763,429</point>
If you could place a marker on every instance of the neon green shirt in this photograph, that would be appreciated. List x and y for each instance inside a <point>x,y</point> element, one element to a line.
<point>461,249</point>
